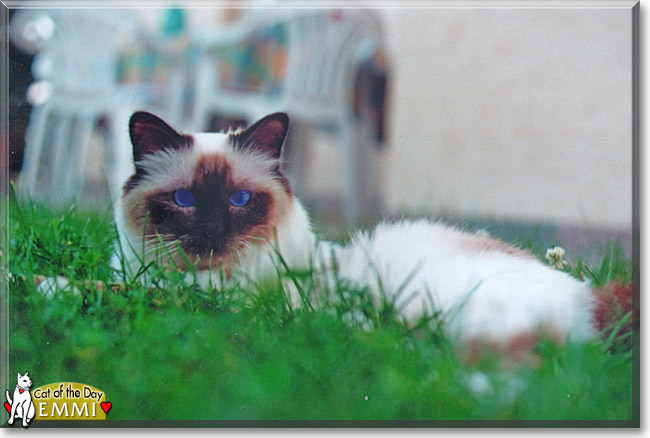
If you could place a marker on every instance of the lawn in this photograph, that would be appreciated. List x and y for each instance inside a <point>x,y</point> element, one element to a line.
<point>181,353</point>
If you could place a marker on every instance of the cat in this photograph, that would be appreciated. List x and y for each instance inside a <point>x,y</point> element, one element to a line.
<point>223,199</point>
<point>22,405</point>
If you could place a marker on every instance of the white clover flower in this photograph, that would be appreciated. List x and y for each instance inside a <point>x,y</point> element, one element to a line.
<point>555,256</point>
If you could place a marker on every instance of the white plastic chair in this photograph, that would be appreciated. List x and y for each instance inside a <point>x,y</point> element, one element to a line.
<point>323,51</point>
<point>77,63</point>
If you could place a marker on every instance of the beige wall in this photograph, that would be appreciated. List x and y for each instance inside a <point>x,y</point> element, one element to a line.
<point>515,114</point>
<point>511,113</point>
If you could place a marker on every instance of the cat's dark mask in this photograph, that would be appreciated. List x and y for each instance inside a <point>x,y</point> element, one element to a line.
<point>214,208</point>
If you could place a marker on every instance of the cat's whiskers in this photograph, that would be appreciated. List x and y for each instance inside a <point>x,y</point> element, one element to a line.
<point>158,243</point>
<point>167,245</point>
<point>256,238</point>
<point>156,236</point>
<point>244,242</point>
<point>238,254</point>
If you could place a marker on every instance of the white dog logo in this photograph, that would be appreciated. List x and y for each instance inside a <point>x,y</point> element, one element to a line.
<point>22,405</point>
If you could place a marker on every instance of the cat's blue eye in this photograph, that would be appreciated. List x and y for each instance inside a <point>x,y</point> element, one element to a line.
<point>184,198</point>
<point>240,198</point>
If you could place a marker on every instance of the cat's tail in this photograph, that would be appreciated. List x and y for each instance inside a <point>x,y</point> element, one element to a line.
<point>8,398</point>
<point>615,315</point>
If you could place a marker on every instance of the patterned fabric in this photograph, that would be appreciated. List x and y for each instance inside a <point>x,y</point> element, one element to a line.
<point>258,66</point>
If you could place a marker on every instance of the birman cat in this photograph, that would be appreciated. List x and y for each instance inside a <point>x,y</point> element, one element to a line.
<point>220,201</point>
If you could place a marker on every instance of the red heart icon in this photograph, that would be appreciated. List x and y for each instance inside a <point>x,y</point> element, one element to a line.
<point>21,390</point>
<point>106,406</point>
<point>8,407</point>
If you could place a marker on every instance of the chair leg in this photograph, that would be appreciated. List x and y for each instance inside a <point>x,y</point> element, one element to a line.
<point>79,142</point>
<point>54,190</point>
<point>297,154</point>
<point>368,169</point>
<point>361,170</point>
<point>34,139</point>
<point>204,90</point>
<point>349,148</point>
<point>175,102</point>
<point>119,156</point>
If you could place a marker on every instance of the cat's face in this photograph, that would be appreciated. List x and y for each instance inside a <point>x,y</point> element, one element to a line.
<point>24,381</point>
<point>212,195</point>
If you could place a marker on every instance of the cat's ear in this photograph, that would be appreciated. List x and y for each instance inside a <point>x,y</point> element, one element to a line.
<point>150,133</point>
<point>19,376</point>
<point>266,135</point>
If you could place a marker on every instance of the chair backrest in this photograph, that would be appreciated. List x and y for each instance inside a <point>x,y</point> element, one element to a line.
<point>324,48</point>
<point>304,57</point>
<point>80,54</point>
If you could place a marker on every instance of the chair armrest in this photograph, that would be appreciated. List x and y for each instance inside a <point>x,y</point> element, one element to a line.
<point>212,40</point>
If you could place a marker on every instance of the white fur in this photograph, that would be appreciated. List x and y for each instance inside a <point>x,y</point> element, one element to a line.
<point>489,295</point>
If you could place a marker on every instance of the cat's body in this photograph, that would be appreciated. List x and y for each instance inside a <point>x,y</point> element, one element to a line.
<point>240,211</point>
<point>487,290</point>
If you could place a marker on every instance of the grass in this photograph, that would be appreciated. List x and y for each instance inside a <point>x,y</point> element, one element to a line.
<point>183,353</point>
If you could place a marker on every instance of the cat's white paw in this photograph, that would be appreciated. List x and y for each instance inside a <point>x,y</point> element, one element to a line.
<point>49,287</point>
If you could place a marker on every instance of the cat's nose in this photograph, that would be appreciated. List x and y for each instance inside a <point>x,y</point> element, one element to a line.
<point>213,235</point>
<point>215,229</point>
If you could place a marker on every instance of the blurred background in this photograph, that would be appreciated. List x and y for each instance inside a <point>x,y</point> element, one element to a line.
<point>511,119</point>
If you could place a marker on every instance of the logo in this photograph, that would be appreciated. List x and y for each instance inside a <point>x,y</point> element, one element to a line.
<point>22,405</point>
<point>56,401</point>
